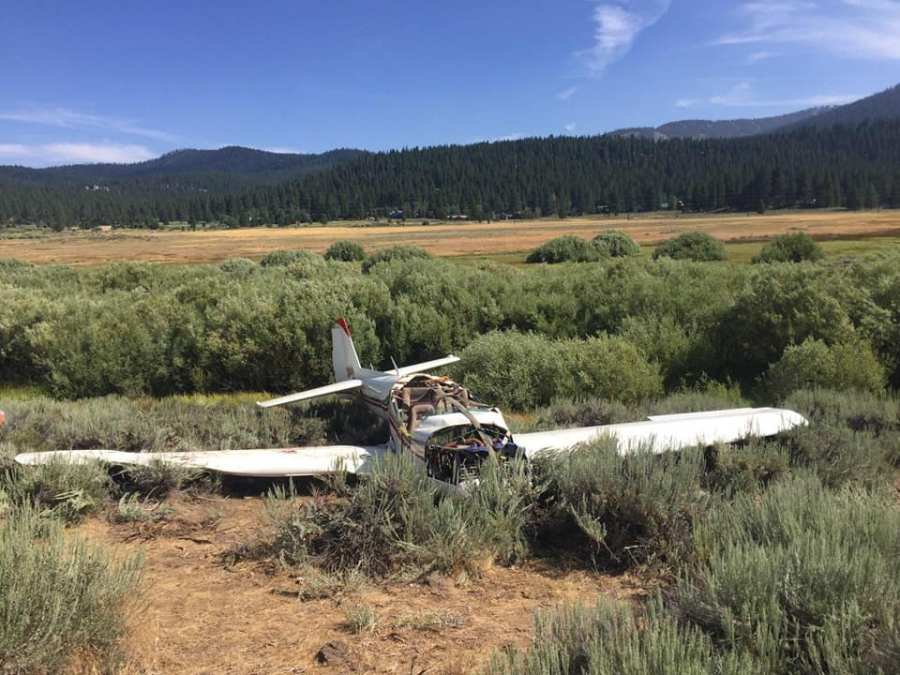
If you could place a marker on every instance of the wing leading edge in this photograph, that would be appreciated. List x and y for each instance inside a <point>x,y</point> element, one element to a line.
<point>263,463</point>
<point>661,433</point>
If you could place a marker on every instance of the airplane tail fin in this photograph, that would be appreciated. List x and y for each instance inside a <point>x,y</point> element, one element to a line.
<point>343,353</point>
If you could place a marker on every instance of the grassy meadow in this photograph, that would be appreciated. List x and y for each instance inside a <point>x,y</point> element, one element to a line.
<point>778,556</point>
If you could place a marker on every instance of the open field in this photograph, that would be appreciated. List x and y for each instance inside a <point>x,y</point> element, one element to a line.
<point>500,240</point>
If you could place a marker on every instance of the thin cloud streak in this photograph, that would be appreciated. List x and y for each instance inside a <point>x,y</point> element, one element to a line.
<point>851,28</point>
<point>50,154</point>
<point>742,95</point>
<point>70,119</point>
<point>616,26</point>
<point>566,94</point>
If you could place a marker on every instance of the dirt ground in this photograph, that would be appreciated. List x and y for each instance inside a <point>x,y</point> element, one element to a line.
<point>445,239</point>
<point>201,615</point>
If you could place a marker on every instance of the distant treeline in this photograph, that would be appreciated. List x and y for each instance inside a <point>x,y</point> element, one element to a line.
<point>856,168</point>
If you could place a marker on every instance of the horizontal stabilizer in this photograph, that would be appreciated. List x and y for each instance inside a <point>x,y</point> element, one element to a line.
<point>327,390</point>
<point>264,463</point>
<point>662,433</point>
<point>428,365</point>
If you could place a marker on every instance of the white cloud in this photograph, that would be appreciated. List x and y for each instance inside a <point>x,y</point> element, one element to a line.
<point>570,127</point>
<point>49,154</point>
<point>756,57</point>
<point>853,28</point>
<point>566,94</point>
<point>70,119</point>
<point>616,26</point>
<point>742,95</point>
<point>686,102</point>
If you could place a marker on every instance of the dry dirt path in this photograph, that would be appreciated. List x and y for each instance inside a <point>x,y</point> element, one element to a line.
<point>446,239</point>
<point>201,616</point>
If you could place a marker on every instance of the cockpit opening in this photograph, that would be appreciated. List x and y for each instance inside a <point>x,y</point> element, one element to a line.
<point>454,454</point>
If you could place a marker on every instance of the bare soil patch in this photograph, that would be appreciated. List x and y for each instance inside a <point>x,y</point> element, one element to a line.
<point>444,239</point>
<point>201,615</point>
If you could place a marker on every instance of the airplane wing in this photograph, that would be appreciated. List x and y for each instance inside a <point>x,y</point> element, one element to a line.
<point>427,365</point>
<point>263,463</point>
<point>336,388</point>
<point>661,433</point>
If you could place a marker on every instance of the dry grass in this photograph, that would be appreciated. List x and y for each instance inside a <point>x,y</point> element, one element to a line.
<point>444,239</point>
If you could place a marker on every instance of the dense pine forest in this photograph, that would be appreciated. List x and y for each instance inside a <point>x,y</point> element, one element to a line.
<point>842,166</point>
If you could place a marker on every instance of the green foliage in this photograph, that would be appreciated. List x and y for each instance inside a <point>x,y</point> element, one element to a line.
<point>360,618</point>
<point>616,244</point>
<point>284,258</point>
<point>611,638</point>
<point>524,371</point>
<point>696,246</point>
<point>238,266</point>
<point>797,247</point>
<point>567,248</point>
<point>804,579</point>
<point>347,251</point>
<point>158,479</point>
<point>394,253</point>
<point>814,364</point>
<point>636,509</point>
<point>394,522</point>
<point>62,599</point>
<point>65,489</point>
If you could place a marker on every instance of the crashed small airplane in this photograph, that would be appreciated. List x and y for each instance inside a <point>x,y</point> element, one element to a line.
<point>440,424</point>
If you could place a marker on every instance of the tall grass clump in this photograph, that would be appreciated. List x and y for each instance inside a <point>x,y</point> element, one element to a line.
<point>63,603</point>
<point>805,579</point>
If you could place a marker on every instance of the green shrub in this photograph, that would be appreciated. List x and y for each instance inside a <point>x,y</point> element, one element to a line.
<point>394,522</point>
<point>394,253</point>
<point>347,251</point>
<point>68,490</point>
<point>858,410</point>
<point>61,598</point>
<point>611,638</point>
<point>616,244</point>
<point>797,247</point>
<point>633,509</point>
<point>567,248</point>
<point>805,579</point>
<point>524,371</point>
<point>285,258</point>
<point>813,364</point>
<point>238,266</point>
<point>696,246</point>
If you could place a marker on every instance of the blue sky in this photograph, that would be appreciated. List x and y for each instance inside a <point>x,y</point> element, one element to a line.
<point>127,80</point>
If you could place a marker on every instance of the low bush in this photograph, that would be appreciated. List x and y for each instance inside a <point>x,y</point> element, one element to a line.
<point>64,603</point>
<point>632,509</point>
<point>567,248</point>
<point>797,247</point>
<point>394,522</point>
<point>805,579</point>
<point>612,638</point>
<point>696,246</point>
<point>616,244</point>
<point>68,490</point>
<point>238,266</point>
<point>285,258</point>
<point>815,364</point>
<point>858,410</point>
<point>347,251</point>
<point>394,253</point>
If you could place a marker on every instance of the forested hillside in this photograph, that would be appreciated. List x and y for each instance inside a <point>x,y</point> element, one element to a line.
<point>720,128</point>
<point>854,167</point>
